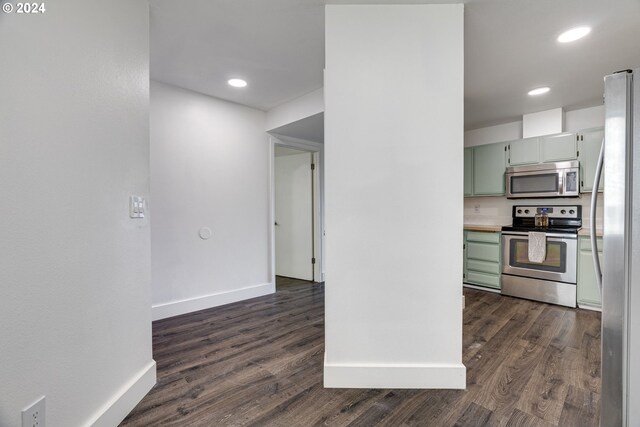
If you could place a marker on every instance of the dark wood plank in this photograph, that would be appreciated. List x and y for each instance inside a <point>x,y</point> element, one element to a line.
<point>545,393</point>
<point>260,363</point>
<point>581,408</point>
<point>522,419</point>
<point>546,325</point>
<point>474,416</point>
<point>486,325</point>
<point>505,388</point>
<point>590,361</point>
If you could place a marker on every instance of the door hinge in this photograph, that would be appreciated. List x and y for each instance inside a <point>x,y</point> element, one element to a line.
<point>313,260</point>
<point>578,153</point>
<point>313,166</point>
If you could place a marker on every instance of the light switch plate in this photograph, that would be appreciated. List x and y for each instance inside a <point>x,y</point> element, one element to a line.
<point>136,207</point>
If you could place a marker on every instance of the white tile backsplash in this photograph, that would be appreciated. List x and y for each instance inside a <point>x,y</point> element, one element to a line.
<point>497,210</point>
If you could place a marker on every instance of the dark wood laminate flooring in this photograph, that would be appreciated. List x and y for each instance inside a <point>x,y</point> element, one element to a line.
<point>259,363</point>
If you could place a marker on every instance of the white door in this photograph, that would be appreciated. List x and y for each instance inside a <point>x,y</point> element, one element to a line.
<point>294,214</point>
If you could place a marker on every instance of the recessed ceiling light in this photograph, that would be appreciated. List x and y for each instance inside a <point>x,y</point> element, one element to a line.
<point>237,82</point>
<point>539,91</point>
<point>573,34</point>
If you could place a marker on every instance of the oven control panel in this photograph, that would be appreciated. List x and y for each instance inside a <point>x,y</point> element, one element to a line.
<point>568,211</point>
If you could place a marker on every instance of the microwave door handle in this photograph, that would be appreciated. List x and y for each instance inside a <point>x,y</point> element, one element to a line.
<point>592,224</point>
<point>560,183</point>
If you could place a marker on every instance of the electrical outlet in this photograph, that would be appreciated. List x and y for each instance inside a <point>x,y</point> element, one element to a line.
<point>34,415</point>
<point>476,208</point>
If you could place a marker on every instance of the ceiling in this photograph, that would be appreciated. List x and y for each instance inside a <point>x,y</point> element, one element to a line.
<point>510,48</point>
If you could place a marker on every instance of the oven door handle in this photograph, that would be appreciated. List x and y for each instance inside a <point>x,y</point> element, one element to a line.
<point>592,225</point>
<point>555,236</point>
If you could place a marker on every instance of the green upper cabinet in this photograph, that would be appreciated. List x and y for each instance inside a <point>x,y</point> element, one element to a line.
<point>524,152</point>
<point>484,165</point>
<point>558,148</point>
<point>468,171</point>
<point>589,143</point>
<point>552,148</point>
<point>488,169</point>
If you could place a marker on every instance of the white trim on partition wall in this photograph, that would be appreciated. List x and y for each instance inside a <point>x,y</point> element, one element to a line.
<point>363,375</point>
<point>123,402</point>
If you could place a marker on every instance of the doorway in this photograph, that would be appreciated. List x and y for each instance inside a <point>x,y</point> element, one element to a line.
<point>296,210</point>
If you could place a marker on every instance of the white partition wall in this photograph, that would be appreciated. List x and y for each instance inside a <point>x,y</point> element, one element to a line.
<point>74,267</point>
<point>394,205</point>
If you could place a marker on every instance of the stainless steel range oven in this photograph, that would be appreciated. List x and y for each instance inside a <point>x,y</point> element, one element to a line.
<point>554,278</point>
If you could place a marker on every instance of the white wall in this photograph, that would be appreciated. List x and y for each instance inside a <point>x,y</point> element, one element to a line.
<point>584,118</point>
<point>296,109</point>
<point>74,268</point>
<point>545,122</point>
<point>394,128</point>
<point>574,121</point>
<point>491,134</point>
<point>209,168</point>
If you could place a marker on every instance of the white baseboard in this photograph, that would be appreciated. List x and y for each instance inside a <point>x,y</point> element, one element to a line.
<point>123,402</point>
<point>175,308</point>
<point>482,288</point>
<point>434,376</point>
<point>590,307</point>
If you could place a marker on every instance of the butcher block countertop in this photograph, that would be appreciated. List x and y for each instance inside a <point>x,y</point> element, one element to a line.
<point>484,227</point>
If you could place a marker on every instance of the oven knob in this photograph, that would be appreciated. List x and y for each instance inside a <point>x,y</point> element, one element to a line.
<point>519,210</point>
<point>526,211</point>
<point>572,211</point>
<point>563,212</point>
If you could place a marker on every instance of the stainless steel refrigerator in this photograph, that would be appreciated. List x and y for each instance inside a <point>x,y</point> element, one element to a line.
<point>620,398</point>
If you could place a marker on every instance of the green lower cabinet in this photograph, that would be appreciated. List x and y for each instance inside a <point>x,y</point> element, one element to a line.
<point>482,259</point>
<point>588,291</point>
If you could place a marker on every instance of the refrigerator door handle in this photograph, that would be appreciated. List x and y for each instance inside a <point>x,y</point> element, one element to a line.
<point>592,231</point>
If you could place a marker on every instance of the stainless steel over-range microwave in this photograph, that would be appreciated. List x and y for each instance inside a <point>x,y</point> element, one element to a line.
<point>543,180</point>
